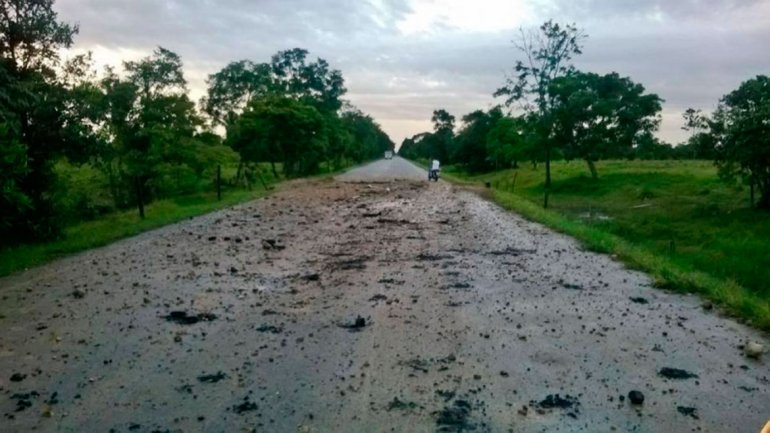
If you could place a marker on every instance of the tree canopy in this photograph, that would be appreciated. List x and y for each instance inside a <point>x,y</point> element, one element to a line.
<point>75,142</point>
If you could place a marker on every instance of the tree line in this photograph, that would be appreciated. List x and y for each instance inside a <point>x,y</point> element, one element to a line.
<point>553,111</point>
<point>76,143</point>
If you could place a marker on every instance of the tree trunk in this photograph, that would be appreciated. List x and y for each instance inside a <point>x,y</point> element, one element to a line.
<point>764,194</point>
<point>140,196</point>
<point>547,176</point>
<point>592,169</point>
<point>238,173</point>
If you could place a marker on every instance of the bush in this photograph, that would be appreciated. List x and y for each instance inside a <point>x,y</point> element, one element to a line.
<point>81,192</point>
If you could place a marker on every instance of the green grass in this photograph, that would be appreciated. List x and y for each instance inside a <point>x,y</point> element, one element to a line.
<point>675,220</point>
<point>119,225</point>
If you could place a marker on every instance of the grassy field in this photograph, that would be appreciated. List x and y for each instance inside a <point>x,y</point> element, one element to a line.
<point>674,219</point>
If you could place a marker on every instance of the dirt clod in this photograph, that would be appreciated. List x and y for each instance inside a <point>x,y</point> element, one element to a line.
<point>636,397</point>
<point>184,318</point>
<point>676,373</point>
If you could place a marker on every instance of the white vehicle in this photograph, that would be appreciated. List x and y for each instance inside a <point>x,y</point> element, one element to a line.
<point>389,154</point>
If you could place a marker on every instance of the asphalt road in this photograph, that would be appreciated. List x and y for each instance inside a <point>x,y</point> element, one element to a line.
<point>385,170</point>
<point>368,306</point>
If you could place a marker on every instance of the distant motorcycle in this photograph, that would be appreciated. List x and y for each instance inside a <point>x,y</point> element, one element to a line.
<point>433,175</point>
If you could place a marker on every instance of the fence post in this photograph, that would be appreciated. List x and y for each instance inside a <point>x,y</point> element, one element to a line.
<point>219,182</point>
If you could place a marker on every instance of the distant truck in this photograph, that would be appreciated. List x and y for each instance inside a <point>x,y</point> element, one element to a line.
<point>389,154</point>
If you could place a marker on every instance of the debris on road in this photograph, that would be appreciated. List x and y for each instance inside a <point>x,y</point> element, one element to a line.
<point>676,373</point>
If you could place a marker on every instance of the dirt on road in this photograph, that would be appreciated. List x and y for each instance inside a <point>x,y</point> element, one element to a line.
<point>401,306</point>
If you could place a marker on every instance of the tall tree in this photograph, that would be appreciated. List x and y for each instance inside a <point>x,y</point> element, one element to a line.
<point>471,141</point>
<point>153,120</point>
<point>440,143</point>
<point>701,143</point>
<point>600,116</point>
<point>741,125</point>
<point>232,88</point>
<point>30,40</point>
<point>281,129</point>
<point>548,54</point>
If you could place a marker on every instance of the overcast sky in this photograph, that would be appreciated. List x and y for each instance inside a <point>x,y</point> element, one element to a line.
<point>402,59</point>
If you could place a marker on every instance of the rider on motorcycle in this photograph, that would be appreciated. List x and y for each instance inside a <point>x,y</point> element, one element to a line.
<point>434,170</point>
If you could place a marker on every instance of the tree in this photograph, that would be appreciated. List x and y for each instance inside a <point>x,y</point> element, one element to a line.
<point>440,143</point>
<point>548,53</point>
<point>280,128</point>
<point>741,127</point>
<point>232,88</point>
<point>31,36</point>
<point>315,82</point>
<point>600,116</point>
<point>511,140</point>
<point>701,144</point>
<point>151,123</point>
<point>471,146</point>
<point>31,105</point>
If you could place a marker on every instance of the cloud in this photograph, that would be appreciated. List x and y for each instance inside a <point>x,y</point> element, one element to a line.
<point>404,58</point>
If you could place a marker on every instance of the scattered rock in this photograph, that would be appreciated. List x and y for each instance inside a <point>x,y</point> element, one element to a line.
<point>312,277</point>
<point>432,257</point>
<point>357,324</point>
<point>246,406</point>
<point>754,350</point>
<point>510,251</point>
<point>676,373</point>
<point>212,378</point>
<point>183,318</point>
<point>688,411</point>
<point>455,418</point>
<point>272,244</point>
<point>18,377</point>
<point>639,300</point>
<point>572,286</point>
<point>636,397</point>
<point>78,294</point>
<point>378,297</point>
<point>397,404</point>
<point>555,401</point>
<point>269,328</point>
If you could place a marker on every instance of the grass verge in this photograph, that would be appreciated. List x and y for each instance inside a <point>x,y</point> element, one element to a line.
<point>675,221</point>
<point>118,225</point>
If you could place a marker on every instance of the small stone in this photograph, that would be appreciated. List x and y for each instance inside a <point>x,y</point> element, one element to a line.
<point>18,377</point>
<point>636,397</point>
<point>754,350</point>
<point>78,294</point>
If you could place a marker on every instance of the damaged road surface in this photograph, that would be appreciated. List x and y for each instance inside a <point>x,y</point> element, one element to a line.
<point>365,305</point>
